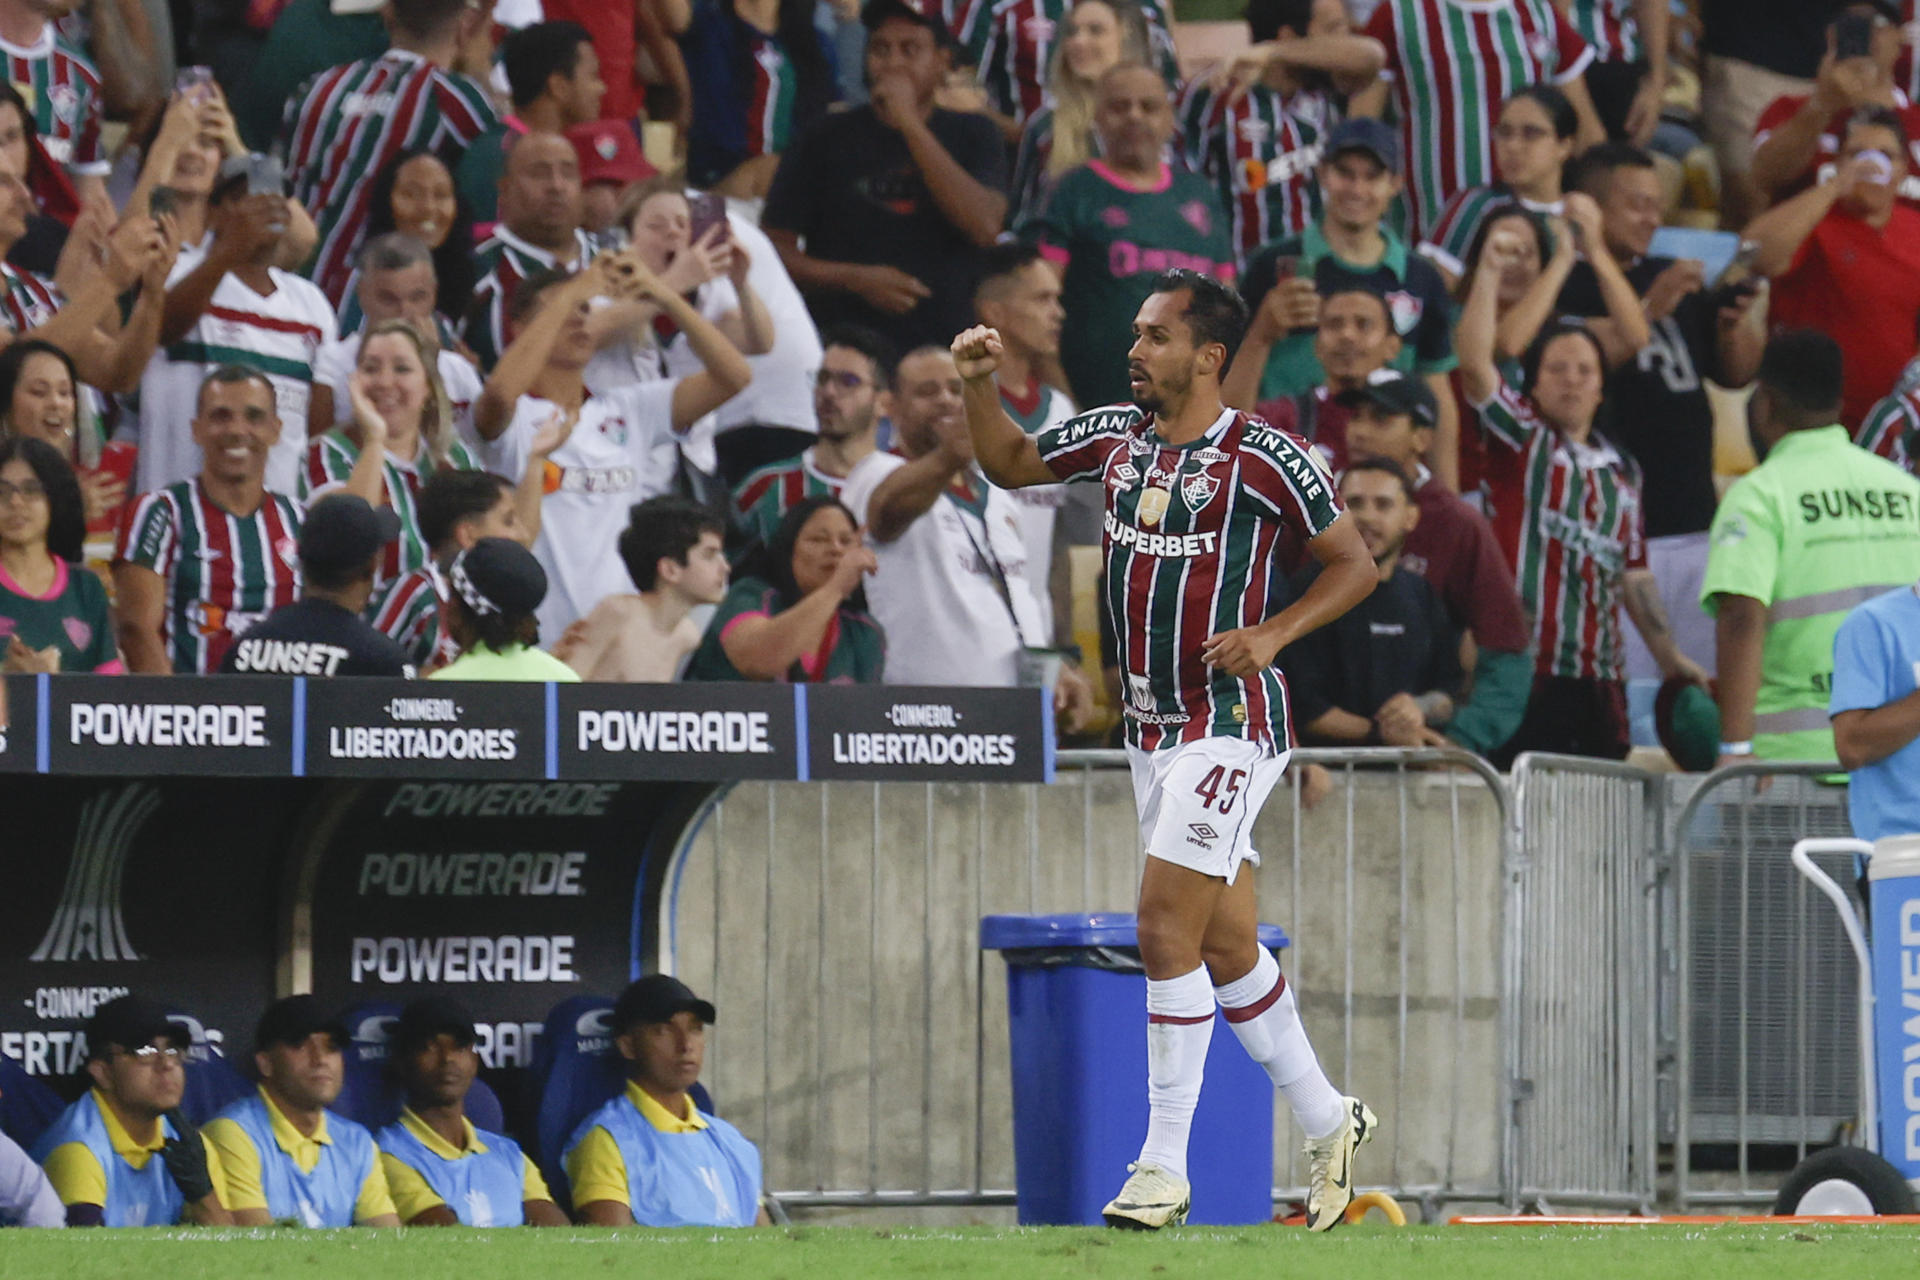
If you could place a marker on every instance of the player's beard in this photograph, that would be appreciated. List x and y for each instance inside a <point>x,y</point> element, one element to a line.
<point>1156,395</point>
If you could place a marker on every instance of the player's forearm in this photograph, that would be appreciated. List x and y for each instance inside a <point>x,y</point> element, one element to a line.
<point>1738,633</point>
<point>1344,581</point>
<point>998,442</point>
<point>1867,737</point>
<point>207,1212</point>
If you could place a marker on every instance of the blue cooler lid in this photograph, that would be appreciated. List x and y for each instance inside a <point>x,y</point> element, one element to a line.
<point>1080,929</point>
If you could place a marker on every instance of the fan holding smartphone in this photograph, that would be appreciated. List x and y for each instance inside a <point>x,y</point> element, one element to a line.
<point>683,237</point>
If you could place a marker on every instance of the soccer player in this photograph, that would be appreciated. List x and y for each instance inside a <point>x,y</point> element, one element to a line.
<point>201,561</point>
<point>348,123</point>
<point>1450,64</point>
<point>285,1155</point>
<point>849,397</point>
<point>649,1156</point>
<point>100,1153</point>
<point>1205,508</point>
<point>442,1171</point>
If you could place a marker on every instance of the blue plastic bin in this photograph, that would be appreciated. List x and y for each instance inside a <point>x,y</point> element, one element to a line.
<point>1076,1004</point>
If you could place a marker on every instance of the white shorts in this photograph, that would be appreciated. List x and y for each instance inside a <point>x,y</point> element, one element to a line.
<point>1197,802</point>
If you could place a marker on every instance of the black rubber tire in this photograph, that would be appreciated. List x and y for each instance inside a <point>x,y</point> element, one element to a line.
<point>1881,1182</point>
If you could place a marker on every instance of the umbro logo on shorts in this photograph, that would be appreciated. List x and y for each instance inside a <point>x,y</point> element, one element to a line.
<point>1203,835</point>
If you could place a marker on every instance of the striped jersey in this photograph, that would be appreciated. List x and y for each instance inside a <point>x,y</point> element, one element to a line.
<point>766,495</point>
<point>1610,27</point>
<point>62,90</point>
<point>413,616</point>
<point>502,261</point>
<point>223,572</point>
<point>1450,237</point>
<point>1452,63</point>
<point>29,299</point>
<point>1027,194</point>
<point>745,92</point>
<point>329,462</point>
<point>348,123</point>
<point>1568,516</point>
<point>1196,536</point>
<point>1892,428</point>
<point>1012,44</point>
<point>280,333</point>
<point>1260,157</point>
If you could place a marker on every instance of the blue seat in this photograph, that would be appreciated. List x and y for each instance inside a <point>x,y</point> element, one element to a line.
<point>576,1069</point>
<point>27,1105</point>
<point>366,1094</point>
<point>213,1079</point>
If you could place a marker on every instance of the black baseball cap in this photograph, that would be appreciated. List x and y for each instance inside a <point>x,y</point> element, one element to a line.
<point>428,1018</point>
<point>1396,393</point>
<point>657,998</point>
<point>343,531</point>
<point>875,12</point>
<point>1376,138</point>
<point>498,575</point>
<point>130,1023</point>
<point>292,1020</point>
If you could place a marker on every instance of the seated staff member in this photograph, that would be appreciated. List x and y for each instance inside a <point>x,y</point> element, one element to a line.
<point>799,614</point>
<point>286,1156</point>
<point>442,1171</point>
<point>100,1154</point>
<point>649,1156</point>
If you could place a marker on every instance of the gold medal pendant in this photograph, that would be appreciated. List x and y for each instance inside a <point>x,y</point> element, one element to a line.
<point>1153,505</point>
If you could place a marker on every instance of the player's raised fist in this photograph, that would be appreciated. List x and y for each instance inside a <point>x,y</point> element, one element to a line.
<point>976,352</point>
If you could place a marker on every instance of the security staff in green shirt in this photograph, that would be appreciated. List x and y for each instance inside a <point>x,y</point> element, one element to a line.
<point>1819,527</point>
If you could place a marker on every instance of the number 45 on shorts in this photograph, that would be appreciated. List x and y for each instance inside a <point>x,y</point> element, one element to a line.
<point>1219,779</point>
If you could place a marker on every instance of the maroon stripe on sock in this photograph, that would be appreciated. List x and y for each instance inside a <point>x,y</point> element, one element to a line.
<point>1179,1022</point>
<point>1246,1013</point>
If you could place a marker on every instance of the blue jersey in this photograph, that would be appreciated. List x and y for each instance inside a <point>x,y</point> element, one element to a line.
<point>1876,660</point>
<point>485,1186</point>
<point>144,1197</point>
<point>327,1196</point>
<point>707,1178</point>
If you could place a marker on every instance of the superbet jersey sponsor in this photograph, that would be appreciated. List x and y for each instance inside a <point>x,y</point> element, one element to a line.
<point>622,450</point>
<point>1195,536</point>
<point>223,572</point>
<point>62,89</point>
<point>349,122</point>
<point>1568,516</point>
<point>1451,65</point>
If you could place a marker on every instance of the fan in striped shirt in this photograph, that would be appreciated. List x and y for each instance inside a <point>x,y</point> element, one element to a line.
<point>200,561</point>
<point>1628,77</point>
<point>1567,511</point>
<point>1254,126</point>
<point>1892,428</point>
<point>1531,146</point>
<point>63,89</point>
<point>454,510</point>
<point>402,433</point>
<point>348,123</point>
<point>1012,43</point>
<point>1450,63</point>
<point>539,230</point>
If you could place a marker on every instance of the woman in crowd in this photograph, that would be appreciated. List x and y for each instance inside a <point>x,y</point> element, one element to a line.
<point>1567,512</point>
<point>40,398</point>
<point>760,76</point>
<point>416,194</point>
<point>1531,147</point>
<point>1101,34</point>
<point>401,433</point>
<point>710,273</point>
<point>55,203</point>
<point>53,613</point>
<point>800,614</point>
<point>496,585</point>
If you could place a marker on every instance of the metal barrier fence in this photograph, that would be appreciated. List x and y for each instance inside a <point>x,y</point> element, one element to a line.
<point>1536,986</point>
<point>1765,1026</point>
<point>1583,929</point>
<point>862,1038</point>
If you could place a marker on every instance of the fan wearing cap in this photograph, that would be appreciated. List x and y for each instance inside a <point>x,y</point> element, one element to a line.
<point>1452,546</point>
<point>200,561</point>
<point>287,1158</point>
<point>610,162</point>
<point>553,81</point>
<point>100,1154</point>
<point>895,199</point>
<point>1388,670</point>
<point>495,586</point>
<point>443,1171</point>
<point>1360,177</point>
<point>228,303</point>
<point>323,633</point>
<point>649,1156</point>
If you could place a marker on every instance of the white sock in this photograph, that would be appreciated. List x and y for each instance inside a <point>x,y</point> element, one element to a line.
<point>1260,1008</point>
<point>1179,1028</point>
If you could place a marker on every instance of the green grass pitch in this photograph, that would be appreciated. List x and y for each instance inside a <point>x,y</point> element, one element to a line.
<point>1784,1252</point>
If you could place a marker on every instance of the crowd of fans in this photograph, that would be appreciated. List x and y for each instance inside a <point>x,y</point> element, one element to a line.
<point>537,343</point>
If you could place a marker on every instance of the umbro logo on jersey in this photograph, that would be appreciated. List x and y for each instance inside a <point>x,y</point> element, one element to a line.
<point>1123,477</point>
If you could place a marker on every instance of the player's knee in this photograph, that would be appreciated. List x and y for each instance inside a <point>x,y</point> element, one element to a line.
<point>1228,962</point>
<point>1165,947</point>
